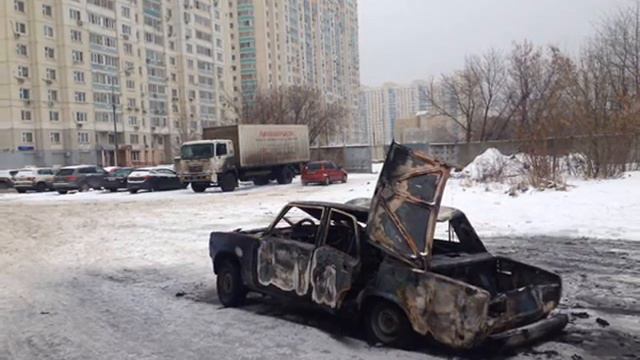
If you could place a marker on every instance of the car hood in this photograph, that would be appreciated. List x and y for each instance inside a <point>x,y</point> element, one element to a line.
<point>405,205</point>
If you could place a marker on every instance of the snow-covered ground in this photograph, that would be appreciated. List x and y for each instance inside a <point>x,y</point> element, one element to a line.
<point>119,276</point>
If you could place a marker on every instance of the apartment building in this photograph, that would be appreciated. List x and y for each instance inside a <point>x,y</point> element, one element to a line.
<point>278,43</point>
<point>64,64</point>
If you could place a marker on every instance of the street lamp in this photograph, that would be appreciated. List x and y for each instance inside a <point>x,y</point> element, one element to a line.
<point>127,72</point>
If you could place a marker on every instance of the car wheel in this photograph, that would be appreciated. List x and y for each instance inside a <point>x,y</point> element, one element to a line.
<point>387,324</point>
<point>133,191</point>
<point>231,291</point>
<point>113,189</point>
<point>21,191</point>
<point>197,187</point>
<point>62,192</point>
<point>285,176</point>
<point>41,187</point>
<point>229,182</point>
<point>84,187</point>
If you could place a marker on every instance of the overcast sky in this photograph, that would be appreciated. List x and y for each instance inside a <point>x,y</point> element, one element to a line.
<point>405,40</point>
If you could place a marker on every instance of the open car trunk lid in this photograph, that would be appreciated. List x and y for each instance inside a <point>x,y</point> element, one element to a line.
<point>405,204</point>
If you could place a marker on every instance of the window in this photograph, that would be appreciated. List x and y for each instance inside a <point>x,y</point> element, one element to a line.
<point>49,52</point>
<point>47,10</point>
<point>221,149</point>
<point>81,117</point>
<point>78,77</point>
<point>51,74</point>
<point>52,95</point>
<point>21,28</point>
<point>131,84</point>
<point>126,12</point>
<point>74,14</point>
<point>80,96</point>
<point>21,49</point>
<point>135,155</point>
<point>23,71</point>
<point>298,223</point>
<point>48,31</point>
<point>45,172</point>
<point>342,233</point>
<point>27,137</point>
<point>133,139</point>
<point>25,115</point>
<point>18,5</point>
<point>133,120</point>
<point>54,138</point>
<point>128,49</point>
<point>126,29</point>
<point>83,137</point>
<point>25,94</point>
<point>77,56</point>
<point>76,36</point>
<point>54,116</point>
<point>131,102</point>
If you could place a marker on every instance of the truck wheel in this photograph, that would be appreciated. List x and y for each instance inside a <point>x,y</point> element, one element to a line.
<point>285,176</point>
<point>231,291</point>
<point>387,324</point>
<point>197,187</point>
<point>229,182</point>
<point>261,180</point>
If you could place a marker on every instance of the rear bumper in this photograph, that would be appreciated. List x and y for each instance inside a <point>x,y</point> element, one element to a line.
<point>27,185</point>
<point>315,178</point>
<point>198,177</point>
<point>529,333</point>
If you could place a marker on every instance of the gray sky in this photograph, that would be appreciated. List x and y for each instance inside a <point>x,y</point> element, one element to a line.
<point>405,40</point>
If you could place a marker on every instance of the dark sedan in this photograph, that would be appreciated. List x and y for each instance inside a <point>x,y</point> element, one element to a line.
<point>117,179</point>
<point>152,179</point>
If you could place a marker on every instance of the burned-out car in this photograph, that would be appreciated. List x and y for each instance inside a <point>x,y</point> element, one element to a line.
<point>384,263</point>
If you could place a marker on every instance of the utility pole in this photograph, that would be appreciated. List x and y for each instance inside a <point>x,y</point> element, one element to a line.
<point>115,123</point>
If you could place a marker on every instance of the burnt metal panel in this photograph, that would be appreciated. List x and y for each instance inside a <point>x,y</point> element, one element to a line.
<point>331,276</point>
<point>405,205</point>
<point>284,264</point>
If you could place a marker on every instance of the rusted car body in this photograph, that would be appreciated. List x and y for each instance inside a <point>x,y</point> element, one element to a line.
<point>384,263</point>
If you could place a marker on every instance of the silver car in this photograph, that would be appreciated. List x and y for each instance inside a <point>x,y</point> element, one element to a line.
<point>37,179</point>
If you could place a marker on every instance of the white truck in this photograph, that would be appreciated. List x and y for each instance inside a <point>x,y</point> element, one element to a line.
<point>258,153</point>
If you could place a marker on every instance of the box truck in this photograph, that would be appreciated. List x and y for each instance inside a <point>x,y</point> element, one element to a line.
<point>258,153</point>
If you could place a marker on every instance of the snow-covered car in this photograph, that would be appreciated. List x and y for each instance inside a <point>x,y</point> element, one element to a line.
<point>383,264</point>
<point>37,179</point>
<point>152,179</point>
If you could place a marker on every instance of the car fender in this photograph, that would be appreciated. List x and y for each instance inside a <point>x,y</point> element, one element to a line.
<point>238,246</point>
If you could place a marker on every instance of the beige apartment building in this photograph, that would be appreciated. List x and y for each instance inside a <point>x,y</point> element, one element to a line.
<point>65,63</point>
<point>298,42</point>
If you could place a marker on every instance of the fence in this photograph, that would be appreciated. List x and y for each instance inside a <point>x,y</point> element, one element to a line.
<point>353,158</point>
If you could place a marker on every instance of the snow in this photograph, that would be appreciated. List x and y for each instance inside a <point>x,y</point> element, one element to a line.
<point>605,209</point>
<point>116,275</point>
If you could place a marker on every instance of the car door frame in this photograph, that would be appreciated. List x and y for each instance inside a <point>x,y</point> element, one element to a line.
<point>333,271</point>
<point>270,277</point>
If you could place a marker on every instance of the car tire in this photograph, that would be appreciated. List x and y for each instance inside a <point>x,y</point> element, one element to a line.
<point>230,289</point>
<point>198,187</point>
<point>133,191</point>
<point>62,192</point>
<point>261,180</point>
<point>387,324</point>
<point>229,182</point>
<point>21,191</point>
<point>285,176</point>
<point>113,189</point>
<point>41,187</point>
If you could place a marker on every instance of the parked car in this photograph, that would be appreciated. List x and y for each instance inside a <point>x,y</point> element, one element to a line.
<point>79,177</point>
<point>38,179</point>
<point>384,265</point>
<point>152,179</point>
<point>6,178</point>
<point>117,179</point>
<point>323,172</point>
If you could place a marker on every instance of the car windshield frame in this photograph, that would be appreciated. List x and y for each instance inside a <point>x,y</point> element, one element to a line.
<point>187,151</point>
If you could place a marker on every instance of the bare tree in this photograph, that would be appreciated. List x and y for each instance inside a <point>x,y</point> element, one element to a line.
<point>301,105</point>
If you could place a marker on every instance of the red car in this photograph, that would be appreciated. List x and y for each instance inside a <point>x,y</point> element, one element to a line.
<point>323,172</point>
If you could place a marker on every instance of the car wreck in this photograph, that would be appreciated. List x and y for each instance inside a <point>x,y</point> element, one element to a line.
<point>384,262</point>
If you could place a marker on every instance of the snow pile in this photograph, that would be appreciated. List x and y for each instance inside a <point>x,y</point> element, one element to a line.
<point>493,166</point>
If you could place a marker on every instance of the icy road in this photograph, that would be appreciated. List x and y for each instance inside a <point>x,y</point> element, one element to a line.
<point>119,276</point>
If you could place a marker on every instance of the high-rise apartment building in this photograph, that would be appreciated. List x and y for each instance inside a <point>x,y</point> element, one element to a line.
<point>278,43</point>
<point>65,63</point>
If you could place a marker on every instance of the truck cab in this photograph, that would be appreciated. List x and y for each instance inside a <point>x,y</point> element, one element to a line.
<point>206,163</point>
